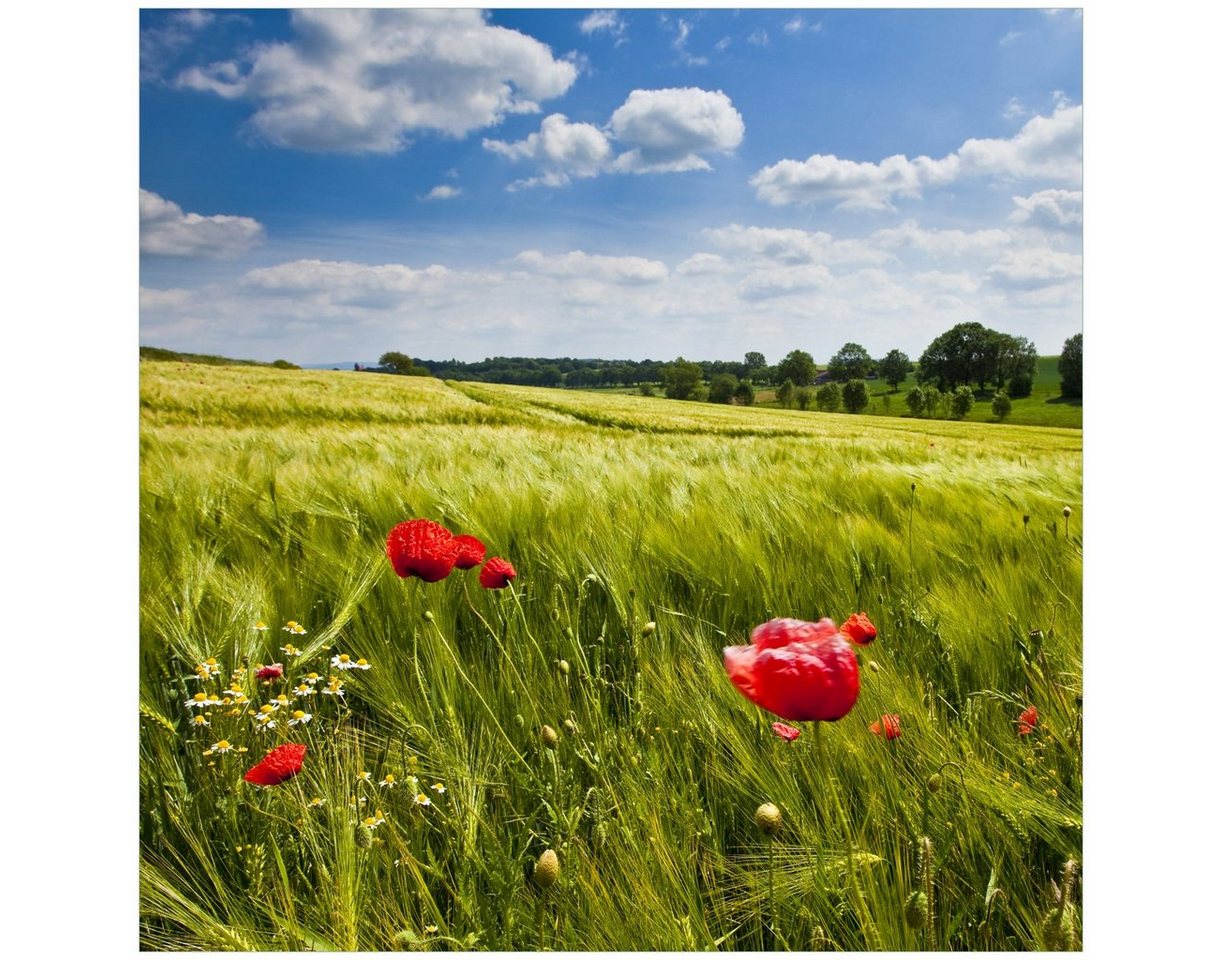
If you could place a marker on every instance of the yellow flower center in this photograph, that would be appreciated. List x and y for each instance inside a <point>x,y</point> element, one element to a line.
<point>298,714</point>
<point>266,708</point>
<point>343,658</point>
<point>222,745</point>
<point>362,662</point>
<point>390,778</point>
<point>201,697</point>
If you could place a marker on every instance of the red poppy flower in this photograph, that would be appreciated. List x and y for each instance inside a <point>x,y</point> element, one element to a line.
<point>281,763</point>
<point>859,629</point>
<point>273,671</point>
<point>889,726</point>
<point>1026,721</point>
<point>795,669</point>
<point>422,548</point>
<point>785,731</point>
<point>496,574</point>
<point>471,552</point>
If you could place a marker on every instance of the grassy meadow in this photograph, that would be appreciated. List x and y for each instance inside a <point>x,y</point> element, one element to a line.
<point>647,535</point>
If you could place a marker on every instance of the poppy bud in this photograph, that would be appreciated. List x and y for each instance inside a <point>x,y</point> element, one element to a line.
<point>428,615</point>
<point>916,909</point>
<point>563,666</point>
<point>873,665</point>
<point>648,629</point>
<point>547,869</point>
<point>1026,519</point>
<point>549,737</point>
<point>571,726</point>
<point>1066,512</point>
<point>934,783</point>
<point>768,818</point>
<point>519,719</point>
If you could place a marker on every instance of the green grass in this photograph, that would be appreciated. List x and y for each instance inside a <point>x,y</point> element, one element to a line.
<point>267,495</point>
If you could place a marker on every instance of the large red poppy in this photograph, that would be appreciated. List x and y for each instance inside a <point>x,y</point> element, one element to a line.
<point>422,548</point>
<point>496,574</point>
<point>796,669</point>
<point>281,763</point>
<point>859,629</point>
<point>471,552</point>
<point>273,671</point>
<point>1027,720</point>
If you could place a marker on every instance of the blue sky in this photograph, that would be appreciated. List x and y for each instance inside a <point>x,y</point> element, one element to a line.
<point>327,185</point>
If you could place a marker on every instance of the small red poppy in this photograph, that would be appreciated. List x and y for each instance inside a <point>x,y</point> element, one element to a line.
<point>273,671</point>
<point>422,548</point>
<point>785,731</point>
<point>471,552</point>
<point>795,669</point>
<point>281,763</point>
<point>1027,720</point>
<point>496,574</point>
<point>859,629</point>
<point>889,726</point>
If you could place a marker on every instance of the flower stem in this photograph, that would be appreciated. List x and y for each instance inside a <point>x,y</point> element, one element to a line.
<point>868,929</point>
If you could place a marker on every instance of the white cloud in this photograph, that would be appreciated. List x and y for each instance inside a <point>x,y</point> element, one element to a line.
<point>333,283</point>
<point>166,231</point>
<point>354,80</point>
<point>1010,37</point>
<point>160,44</point>
<point>577,264</point>
<point>561,148</point>
<point>944,244</point>
<point>667,130</point>
<point>1054,209</point>
<point>662,131</point>
<point>701,264</point>
<point>1014,109</point>
<point>170,298</point>
<point>758,37</point>
<point>1035,267</point>
<point>443,191</point>
<point>608,20</point>
<point>1045,147</point>
<point>772,282</point>
<point>682,31</point>
<point>792,246</point>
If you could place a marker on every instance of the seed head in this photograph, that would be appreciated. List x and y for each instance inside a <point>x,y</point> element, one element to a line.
<point>1026,519</point>
<point>364,837</point>
<point>1066,512</point>
<point>547,869</point>
<point>934,783</point>
<point>428,615</point>
<point>648,629</point>
<point>873,665</point>
<point>549,737</point>
<point>571,726</point>
<point>768,818</point>
<point>563,667</point>
<point>916,909</point>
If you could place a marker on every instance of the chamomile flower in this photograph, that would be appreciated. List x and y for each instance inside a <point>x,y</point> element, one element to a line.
<point>277,702</point>
<point>365,775</point>
<point>208,669</point>
<point>316,802</point>
<point>221,746</point>
<point>376,820</point>
<point>265,718</point>
<point>294,627</point>
<point>312,678</point>
<point>300,716</point>
<point>290,651</point>
<point>334,687</point>
<point>423,800</point>
<point>199,720</point>
<point>202,700</point>
<point>439,787</point>
<point>388,781</point>
<point>304,690</point>
<point>430,928</point>
<point>341,661</point>
<point>362,664</point>
<point>260,625</point>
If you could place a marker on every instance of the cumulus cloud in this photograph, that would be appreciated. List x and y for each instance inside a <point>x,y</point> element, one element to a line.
<point>442,191</point>
<point>357,80</point>
<point>1051,209</point>
<point>160,44</point>
<point>660,131</point>
<point>1035,267</point>
<point>343,283</point>
<point>561,148</point>
<point>941,243</point>
<point>577,264</point>
<point>166,231</point>
<point>792,246</point>
<point>771,282</point>
<point>668,130</point>
<point>701,264</point>
<point>1048,147</point>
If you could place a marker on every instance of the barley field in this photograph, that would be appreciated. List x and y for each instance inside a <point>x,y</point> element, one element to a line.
<point>585,709</point>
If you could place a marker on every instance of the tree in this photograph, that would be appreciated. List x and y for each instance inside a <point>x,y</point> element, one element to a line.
<point>646,389</point>
<point>798,366</point>
<point>851,362</point>
<point>1001,405</point>
<point>965,353</point>
<point>784,393</point>
<point>934,400</point>
<point>961,402</point>
<point>1020,386</point>
<point>397,362</point>
<point>681,378</point>
<point>894,368</point>
<point>856,397</point>
<point>722,387</point>
<point>1070,368</point>
<point>1016,358</point>
<point>755,364</point>
<point>803,396</point>
<point>827,397</point>
<point>916,401</point>
<point>744,393</point>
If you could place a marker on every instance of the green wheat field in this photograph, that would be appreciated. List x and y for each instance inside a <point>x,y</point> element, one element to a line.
<point>647,535</point>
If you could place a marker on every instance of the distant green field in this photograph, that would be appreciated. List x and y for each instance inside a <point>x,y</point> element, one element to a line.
<point>266,496</point>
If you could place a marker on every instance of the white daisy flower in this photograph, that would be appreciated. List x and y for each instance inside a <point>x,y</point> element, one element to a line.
<point>201,700</point>
<point>300,716</point>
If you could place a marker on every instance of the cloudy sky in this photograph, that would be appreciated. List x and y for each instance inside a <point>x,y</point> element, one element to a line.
<point>324,186</point>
